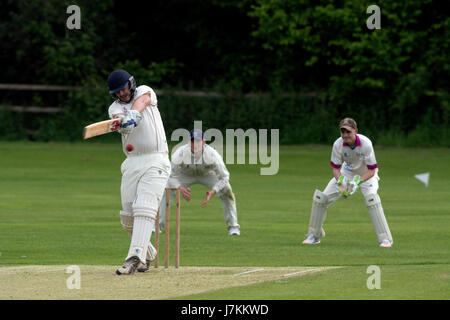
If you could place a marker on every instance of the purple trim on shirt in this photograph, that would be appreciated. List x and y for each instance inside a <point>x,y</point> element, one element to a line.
<point>372,166</point>
<point>336,166</point>
<point>358,143</point>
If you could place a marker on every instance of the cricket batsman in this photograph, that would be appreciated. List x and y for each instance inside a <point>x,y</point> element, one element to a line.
<point>354,168</point>
<point>145,170</point>
<point>197,162</point>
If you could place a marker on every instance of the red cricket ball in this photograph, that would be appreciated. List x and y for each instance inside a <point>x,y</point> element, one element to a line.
<point>129,147</point>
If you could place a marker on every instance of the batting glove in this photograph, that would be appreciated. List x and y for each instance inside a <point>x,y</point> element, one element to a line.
<point>130,121</point>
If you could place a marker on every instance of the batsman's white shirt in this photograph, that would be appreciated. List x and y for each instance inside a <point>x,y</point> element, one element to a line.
<point>149,136</point>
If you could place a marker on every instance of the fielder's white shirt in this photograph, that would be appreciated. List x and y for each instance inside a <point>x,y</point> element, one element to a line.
<point>184,162</point>
<point>354,160</point>
<point>149,136</point>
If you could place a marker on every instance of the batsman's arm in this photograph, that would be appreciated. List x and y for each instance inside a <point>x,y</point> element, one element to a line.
<point>142,102</point>
<point>134,116</point>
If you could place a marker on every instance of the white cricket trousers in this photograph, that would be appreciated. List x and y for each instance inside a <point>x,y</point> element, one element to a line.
<point>144,178</point>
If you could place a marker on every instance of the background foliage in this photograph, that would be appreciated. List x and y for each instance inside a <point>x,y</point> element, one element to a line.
<point>393,81</point>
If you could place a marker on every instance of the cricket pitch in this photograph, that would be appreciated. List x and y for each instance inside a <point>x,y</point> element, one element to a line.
<point>101,282</point>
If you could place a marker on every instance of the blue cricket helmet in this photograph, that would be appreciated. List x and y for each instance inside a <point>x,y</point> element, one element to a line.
<point>118,79</point>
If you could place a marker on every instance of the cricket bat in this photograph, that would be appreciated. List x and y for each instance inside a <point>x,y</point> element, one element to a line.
<point>101,127</point>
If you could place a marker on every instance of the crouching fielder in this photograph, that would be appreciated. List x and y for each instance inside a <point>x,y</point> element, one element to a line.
<point>197,162</point>
<point>354,167</point>
<point>146,169</point>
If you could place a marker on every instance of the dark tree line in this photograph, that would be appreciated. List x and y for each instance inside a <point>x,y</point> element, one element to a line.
<point>394,78</point>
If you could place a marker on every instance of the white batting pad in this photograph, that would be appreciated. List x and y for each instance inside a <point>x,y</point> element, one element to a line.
<point>380,225</point>
<point>146,205</point>
<point>318,213</point>
<point>142,230</point>
<point>127,221</point>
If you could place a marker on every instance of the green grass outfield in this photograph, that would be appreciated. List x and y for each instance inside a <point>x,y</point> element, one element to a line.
<point>60,202</point>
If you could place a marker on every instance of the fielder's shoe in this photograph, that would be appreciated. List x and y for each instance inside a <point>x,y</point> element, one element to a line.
<point>234,231</point>
<point>385,244</point>
<point>143,267</point>
<point>130,266</point>
<point>322,233</point>
<point>311,239</point>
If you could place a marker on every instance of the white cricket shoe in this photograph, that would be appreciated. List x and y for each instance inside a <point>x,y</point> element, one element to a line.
<point>385,244</point>
<point>311,239</point>
<point>234,231</point>
<point>143,267</point>
<point>151,256</point>
<point>130,266</point>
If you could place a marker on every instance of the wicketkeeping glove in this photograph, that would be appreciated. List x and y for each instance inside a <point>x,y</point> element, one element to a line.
<point>130,121</point>
<point>354,185</point>
<point>343,186</point>
<point>342,180</point>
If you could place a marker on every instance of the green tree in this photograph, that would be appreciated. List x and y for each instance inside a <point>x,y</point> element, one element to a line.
<point>389,77</point>
<point>38,47</point>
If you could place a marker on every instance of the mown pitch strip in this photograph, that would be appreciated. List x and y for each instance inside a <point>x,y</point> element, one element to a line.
<point>100,282</point>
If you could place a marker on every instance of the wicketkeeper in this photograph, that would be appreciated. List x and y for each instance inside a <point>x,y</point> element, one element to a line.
<point>146,169</point>
<point>354,168</point>
<point>198,162</point>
